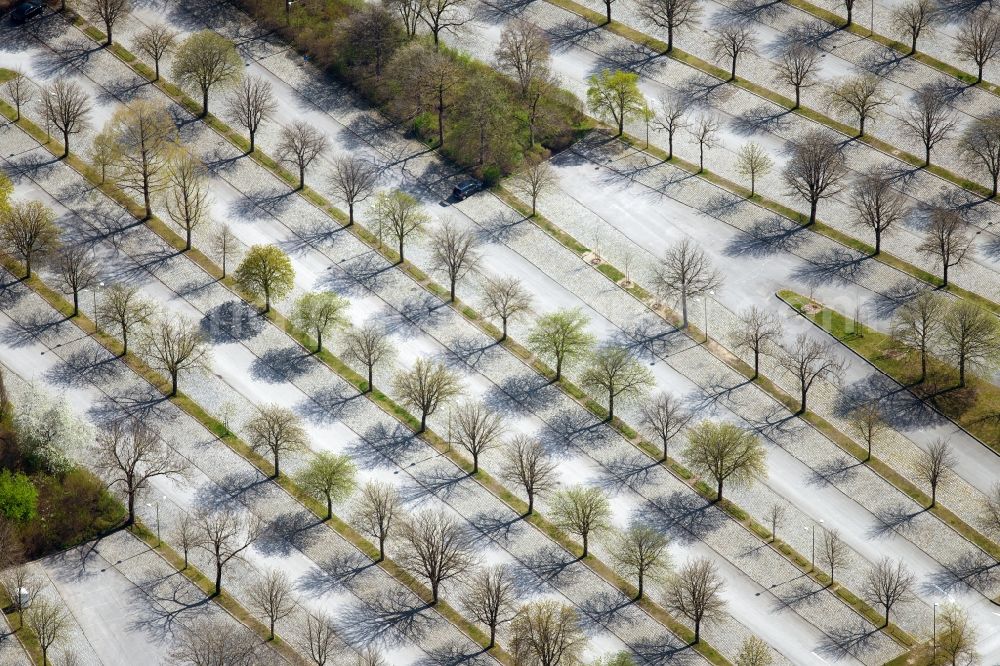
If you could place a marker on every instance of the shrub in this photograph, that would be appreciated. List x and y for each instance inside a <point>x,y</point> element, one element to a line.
<point>18,497</point>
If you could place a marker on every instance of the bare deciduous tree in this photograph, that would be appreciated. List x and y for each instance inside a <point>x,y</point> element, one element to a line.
<point>187,200</point>
<point>19,90</point>
<point>957,637</point>
<point>798,67</point>
<point>173,345</point>
<point>216,642</point>
<point>641,553</point>
<point>22,588</point>
<point>862,95</point>
<point>704,133</point>
<point>67,106</point>
<point>834,553</point>
<point>156,41</point>
<point>916,324</point>
<point>616,372</point>
<point>276,430</point>
<point>582,511</point>
<point>300,144</point>
<point>670,15</point>
<point>815,169</point>
<point>506,299</point>
<point>425,387</point>
<point>491,599</point>
<point>868,424</point>
<point>187,533</point>
<point>442,15</point>
<point>225,535</point>
<point>108,12</point>
<point>78,270</point>
<point>28,230</point>
<point>912,18</point>
<point>776,516</point>
<point>353,180</point>
<point>670,119</point>
<point>526,463</point>
<point>536,179</point>
<point>725,452</point>
<point>476,429</point>
<point>877,205</point>
<point>934,466</point>
<point>50,622</point>
<point>979,39</point>
<point>686,273</point>
<point>732,42</point>
<point>759,331</point>
<point>752,161</point>
<point>320,637</point>
<point>271,596</point>
<point>981,146</point>
<point>696,593</point>
<point>251,104</point>
<point>930,118</point>
<point>397,215</point>
<point>126,308</point>
<point>145,134</point>
<point>454,251</point>
<point>810,360</point>
<point>225,245</point>
<point>663,417</point>
<point>946,239</point>
<point>888,583</point>
<point>409,14</point>
<point>971,337</point>
<point>523,53</point>
<point>435,547</point>
<point>368,345</point>
<point>129,454</point>
<point>376,511</point>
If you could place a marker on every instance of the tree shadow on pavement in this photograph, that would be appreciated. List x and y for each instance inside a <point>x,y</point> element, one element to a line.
<point>495,524</point>
<point>894,519</point>
<point>832,266</point>
<point>522,393</point>
<point>334,573</point>
<point>975,570</point>
<point>232,491</point>
<point>573,429</point>
<point>358,275</point>
<point>549,564</point>
<point>852,640</point>
<point>388,618</point>
<point>231,321</point>
<point>330,404</point>
<point>469,351</point>
<point>604,610</point>
<point>763,119</point>
<point>629,57</point>
<point>161,602</point>
<point>432,480</point>
<point>575,31</point>
<point>665,649</point>
<point>379,447</point>
<point>630,470</point>
<point>82,367</point>
<point>288,532</point>
<point>279,366</point>
<point>687,517</point>
<point>766,237</point>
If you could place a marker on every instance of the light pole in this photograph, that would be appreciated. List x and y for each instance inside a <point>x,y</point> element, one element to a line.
<point>157,504</point>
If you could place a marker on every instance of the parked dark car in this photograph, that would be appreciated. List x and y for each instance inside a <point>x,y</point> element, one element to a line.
<point>25,11</point>
<point>466,189</point>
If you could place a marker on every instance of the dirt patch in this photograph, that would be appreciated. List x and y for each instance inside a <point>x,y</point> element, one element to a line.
<point>812,308</point>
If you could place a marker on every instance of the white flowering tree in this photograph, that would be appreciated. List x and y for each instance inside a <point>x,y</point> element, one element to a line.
<point>49,431</point>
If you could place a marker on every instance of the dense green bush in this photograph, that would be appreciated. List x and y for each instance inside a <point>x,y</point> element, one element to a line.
<point>18,497</point>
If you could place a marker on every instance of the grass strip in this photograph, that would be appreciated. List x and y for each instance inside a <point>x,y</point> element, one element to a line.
<point>864,341</point>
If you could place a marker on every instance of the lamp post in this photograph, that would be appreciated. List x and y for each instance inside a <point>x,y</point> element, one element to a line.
<point>157,504</point>
<point>934,643</point>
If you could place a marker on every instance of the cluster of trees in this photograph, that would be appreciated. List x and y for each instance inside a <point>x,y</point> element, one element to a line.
<point>483,118</point>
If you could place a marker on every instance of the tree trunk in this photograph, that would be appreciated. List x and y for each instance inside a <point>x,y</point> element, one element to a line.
<point>611,406</point>
<point>979,77</point>
<point>670,38</point>
<point>798,95</point>
<point>173,384</point>
<point>440,109</point>
<point>684,310</point>
<point>861,126</point>
<point>812,210</point>
<point>107,27</point>
<point>933,495</point>
<point>371,368</point>
<point>204,102</point>
<point>156,68</point>
<point>350,213</point>
<point>718,490</point>
<point>271,637</point>
<point>996,178</point>
<point>756,363</point>
<point>639,594</point>
<point>670,145</point>
<point>267,301</point>
<point>558,368</point>
<point>434,592</point>
<point>145,193</point>
<point>802,404</point>
<point>531,503</point>
<point>130,520</point>
<point>218,578</point>
<point>607,6</point>
<point>329,507</point>
<point>878,242</point>
<point>27,266</point>
<point>319,340</point>
<point>493,636</point>
<point>302,176</point>
<point>753,185</point>
<point>732,71</point>
<point>277,466</point>
<point>252,137</point>
<point>381,549</point>
<point>701,157</point>
<point>697,631</point>
<point>927,155</point>
<point>76,302</point>
<point>503,335</point>
<point>65,143</point>
<point>913,44</point>
<point>124,341</point>
<point>452,290</point>
<point>475,463</point>
<point>402,258</point>
<point>187,244</point>
<point>961,372</point>
<point>944,273</point>
<point>621,124</point>
<point>923,363</point>
<point>585,546</point>
<point>850,17</point>
<point>423,422</point>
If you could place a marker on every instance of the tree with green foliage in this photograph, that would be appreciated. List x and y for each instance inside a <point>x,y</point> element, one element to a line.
<point>319,312</point>
<point>641,552</point>
<point>266,271</point>
<point>725,452</point>
<point>561,336</point>
<point>204,60</point>
<point>616,371</point>
<point>615,96</point>
<point>18,497</point>
<point>754,652</point>
<point>329,476</point>
<point>397,216</point>
<point>753,162</point>
<point>276,430</point>
<point>582,511</point>
<point>48,430</point>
